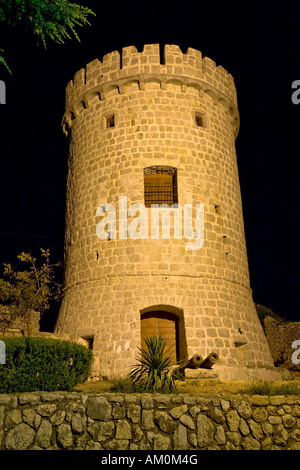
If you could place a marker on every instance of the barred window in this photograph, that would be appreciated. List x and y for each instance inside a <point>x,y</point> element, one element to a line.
<point>160,185</point>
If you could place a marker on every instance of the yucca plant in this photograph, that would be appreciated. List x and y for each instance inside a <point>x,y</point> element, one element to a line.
<point>153,370</point>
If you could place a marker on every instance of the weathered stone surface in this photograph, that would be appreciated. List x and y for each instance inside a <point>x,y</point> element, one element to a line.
<point>12,419</point>
<point>219,436</point>
<point>233,420</point>
<point>244,409</point>
<point>280,436</point>
<point>117,444</point>
<point>99,408</point>
<point>46,409</point>
<point>161,442</point>
<point>164,422</point>
<point>233,437</point>
<point>256,430</point>
<point>20,437</point>
<point>58,418</point>
<point>64,435</point>
<point>180,438</point>
<point>134,413</point>
<point>249,443</point>
<point>205,430</point>
<point>187,421</point>
<point>216,414</point>
<point>78,423</point>
<point>243,427</point>
<point>259,415</point>
<point>178,411</point>
<point>171,422</point>
<point>123,430</point>
<point>288,421</point>
<point>44,434</point>
<point>101,431</point>
<point>147,419</point>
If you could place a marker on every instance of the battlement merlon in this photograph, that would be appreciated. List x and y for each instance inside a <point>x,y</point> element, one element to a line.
<point>115,70</point>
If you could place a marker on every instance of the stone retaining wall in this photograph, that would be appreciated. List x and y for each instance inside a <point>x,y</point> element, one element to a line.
<point>61,420</point>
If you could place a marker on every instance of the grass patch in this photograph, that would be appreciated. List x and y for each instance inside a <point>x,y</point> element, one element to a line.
<point>205,387</point>
<point>272,388</point>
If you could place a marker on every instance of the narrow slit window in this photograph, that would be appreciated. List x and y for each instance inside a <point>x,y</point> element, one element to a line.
<point>110,121</point>
<point>160,188</point>
<point>199,120</point>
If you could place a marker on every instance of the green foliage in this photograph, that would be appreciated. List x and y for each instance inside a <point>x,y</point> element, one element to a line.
<point>43,364</point>
<point>272,388</point>
<point>56,20</point>
<point>3,62</point>
<point>30,289</point>
<point>152,372</point>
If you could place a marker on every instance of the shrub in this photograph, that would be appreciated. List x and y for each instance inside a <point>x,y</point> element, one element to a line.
<point>34,363</point>
<point>152,372</point>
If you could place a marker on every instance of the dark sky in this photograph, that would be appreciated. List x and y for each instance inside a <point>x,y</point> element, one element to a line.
<point>258,42</point>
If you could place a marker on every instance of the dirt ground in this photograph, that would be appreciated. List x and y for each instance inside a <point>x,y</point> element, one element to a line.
<point>210,386</point>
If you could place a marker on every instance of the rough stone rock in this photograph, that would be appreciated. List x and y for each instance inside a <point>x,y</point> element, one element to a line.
<point>134,413</point>
<point>244,409</point>
<point>233,420</point>
<point>178,411</point>
<point>249,443</point>
<point>58,417</point>
<point>101,431</point>
<point>205,430</point>
<point>180,438</point>
<point>187,421</point>
<point>20,437</point>
<point>147,419</point>
<point>233,437</point>
<point>259,415</point>
<point>99,408</point>
<point>123,430</point>
<point>288,421</point>
<point>64,435</point>
<point>44,433</point>
<point>13,418</point>
<point>161,442</point>
<point>164,422</point>
<point>78,423</point>
<point>46,409</point>
<point>219,436</point>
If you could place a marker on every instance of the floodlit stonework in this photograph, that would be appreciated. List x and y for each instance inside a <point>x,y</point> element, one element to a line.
<point>127,117</point>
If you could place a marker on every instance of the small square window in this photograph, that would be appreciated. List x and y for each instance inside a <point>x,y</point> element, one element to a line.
<point>89,341</point>
<point>110,121</point>
<point>199,120</point>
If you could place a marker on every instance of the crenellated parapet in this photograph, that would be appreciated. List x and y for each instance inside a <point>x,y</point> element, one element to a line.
<point>117,70</point>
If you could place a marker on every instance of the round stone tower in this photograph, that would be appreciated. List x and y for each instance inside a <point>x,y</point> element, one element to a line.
<point>148,128</point>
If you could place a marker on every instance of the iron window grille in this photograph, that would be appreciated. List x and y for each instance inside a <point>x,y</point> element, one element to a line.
<point>160,189</point>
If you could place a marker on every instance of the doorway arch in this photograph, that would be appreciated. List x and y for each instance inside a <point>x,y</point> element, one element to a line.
<point>167,322</point>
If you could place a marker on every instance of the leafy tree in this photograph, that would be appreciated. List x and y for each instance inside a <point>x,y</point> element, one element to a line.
<point>30,289</point>
<point>46,19</point>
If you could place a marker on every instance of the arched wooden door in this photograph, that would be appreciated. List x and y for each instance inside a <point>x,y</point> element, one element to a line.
<point>164,324</point>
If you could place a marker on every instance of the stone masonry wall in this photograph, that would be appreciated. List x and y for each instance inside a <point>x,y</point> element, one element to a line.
<point>61,420</point>
<point>12,324</point>
<point>280,337</point>
<point>111,282</point>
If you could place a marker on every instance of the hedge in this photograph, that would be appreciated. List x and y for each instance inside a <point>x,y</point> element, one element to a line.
<point>34,363</point>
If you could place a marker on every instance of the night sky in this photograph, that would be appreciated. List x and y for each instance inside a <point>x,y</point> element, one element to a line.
<point>257,42</point>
